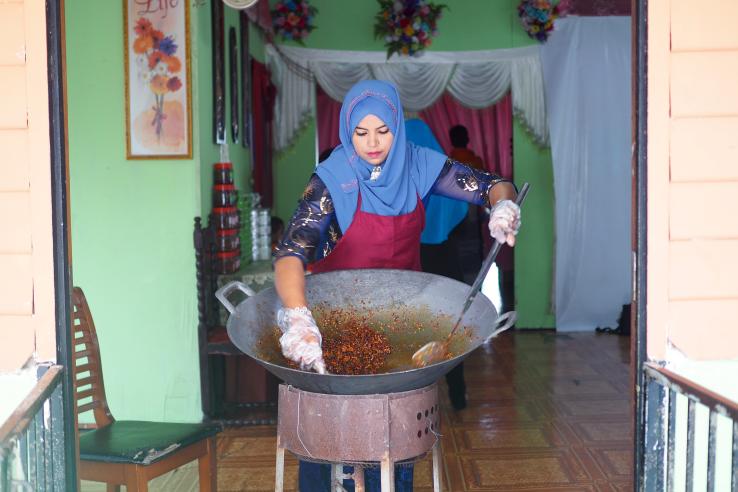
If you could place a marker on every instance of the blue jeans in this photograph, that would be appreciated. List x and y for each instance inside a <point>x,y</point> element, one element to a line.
<point>315,477</point>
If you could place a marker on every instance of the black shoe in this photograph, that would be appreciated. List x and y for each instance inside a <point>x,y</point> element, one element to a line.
<point>458,400</point>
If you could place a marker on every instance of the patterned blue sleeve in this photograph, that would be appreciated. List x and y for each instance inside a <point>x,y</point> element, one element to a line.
<point>461,182</point>
<point>313,230</point>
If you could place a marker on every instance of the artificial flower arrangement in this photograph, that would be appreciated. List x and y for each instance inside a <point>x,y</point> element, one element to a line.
<point>407,26</point>
<point>538,16</point>
<point>157,64</point>
<point>293,19</point>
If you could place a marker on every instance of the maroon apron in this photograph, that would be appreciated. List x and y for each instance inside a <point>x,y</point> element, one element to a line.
<point>377,241</point>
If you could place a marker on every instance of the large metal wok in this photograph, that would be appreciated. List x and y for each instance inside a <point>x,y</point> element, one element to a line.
<point>425,296</point>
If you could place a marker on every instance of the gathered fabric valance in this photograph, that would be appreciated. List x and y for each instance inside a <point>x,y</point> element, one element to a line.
<point>477,79</point>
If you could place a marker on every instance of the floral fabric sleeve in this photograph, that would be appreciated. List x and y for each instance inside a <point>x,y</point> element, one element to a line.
<point>313,230</point>
<point>461,182</point>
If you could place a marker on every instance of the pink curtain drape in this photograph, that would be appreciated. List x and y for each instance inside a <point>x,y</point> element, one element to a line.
<point>263,93</point>
<point>328,115</point>
<point>490,130</point>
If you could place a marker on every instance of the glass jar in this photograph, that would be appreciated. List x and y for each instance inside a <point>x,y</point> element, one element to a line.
<point>223,173</point>
<point>226,218</point>
<point>224,195</point>
<point>227,261</point>
<point>227,240</point>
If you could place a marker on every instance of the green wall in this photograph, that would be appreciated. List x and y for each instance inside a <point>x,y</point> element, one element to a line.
<point>534,247</point>
<point>132,221</point>
<point>466,25</point>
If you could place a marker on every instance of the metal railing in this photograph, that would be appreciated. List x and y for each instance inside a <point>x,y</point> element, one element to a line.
<point>32,439</point>
<point>681,451</point>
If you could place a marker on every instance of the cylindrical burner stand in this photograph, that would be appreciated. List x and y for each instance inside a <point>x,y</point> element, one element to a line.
<point>359,430</point>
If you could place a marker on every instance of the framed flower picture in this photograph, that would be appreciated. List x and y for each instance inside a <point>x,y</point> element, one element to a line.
<point>158,79</point>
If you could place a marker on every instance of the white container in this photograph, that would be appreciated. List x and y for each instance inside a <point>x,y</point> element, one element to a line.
<point>265,253</point>
<point>261,216</point>
<point>261,234</point>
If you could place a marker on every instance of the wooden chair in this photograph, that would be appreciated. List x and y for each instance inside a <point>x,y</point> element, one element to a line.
<point>127,452</point>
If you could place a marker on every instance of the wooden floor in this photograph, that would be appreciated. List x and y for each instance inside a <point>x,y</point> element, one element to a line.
<point>546,412</point>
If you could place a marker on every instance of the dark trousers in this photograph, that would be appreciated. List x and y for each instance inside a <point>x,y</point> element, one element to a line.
<point>315,477</point>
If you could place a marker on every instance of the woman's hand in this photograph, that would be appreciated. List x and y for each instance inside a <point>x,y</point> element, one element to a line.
<point>504,221</point>
<point>301,339</point>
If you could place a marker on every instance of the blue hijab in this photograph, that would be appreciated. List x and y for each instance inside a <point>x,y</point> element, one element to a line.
<point>441,214</point>
<point>409,171</point>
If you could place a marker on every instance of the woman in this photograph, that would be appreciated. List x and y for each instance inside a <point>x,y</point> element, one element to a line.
<point>363,209</point>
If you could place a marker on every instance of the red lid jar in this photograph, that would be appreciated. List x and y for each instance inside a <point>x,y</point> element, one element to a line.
<point>226,218</point>
<point>224,195</point>
<point>227,261</point>
<point>227,240</point>
<point>223,173</point>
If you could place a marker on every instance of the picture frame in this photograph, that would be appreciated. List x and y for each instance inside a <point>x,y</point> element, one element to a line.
<point>245,81</point>
<point>233,80</point>
<point>219,80</point>
<point>158,79</point>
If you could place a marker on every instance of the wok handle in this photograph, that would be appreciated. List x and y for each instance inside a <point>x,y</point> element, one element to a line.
<point>503,323</point>
<point>223,293</point>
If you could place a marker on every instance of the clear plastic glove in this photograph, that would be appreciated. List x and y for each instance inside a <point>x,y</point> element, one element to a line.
<point>301,339</point>
<point>504,221</point>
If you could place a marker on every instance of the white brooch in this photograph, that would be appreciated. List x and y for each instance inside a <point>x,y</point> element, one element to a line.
<point>376,171</point>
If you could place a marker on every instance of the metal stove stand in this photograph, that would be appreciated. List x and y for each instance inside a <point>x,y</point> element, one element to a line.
<point>359,430</point>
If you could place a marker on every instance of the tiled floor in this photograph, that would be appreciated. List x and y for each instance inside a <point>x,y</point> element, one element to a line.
<point>546,412</point>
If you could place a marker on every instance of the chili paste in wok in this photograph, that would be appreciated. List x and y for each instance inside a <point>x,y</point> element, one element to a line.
<point>350,346</point>
<point>357,340</point>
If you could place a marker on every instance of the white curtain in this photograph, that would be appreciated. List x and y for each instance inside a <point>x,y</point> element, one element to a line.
<point>587,74</point>
<point>476,78</point>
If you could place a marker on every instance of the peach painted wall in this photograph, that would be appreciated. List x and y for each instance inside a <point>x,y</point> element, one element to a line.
<point>26,262</point>
<point>692,179</point>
